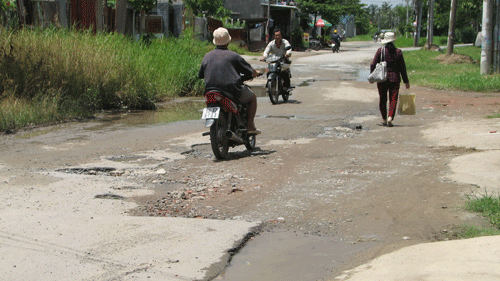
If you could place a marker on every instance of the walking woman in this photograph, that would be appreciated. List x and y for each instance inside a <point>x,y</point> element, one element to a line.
<point>396,69</point>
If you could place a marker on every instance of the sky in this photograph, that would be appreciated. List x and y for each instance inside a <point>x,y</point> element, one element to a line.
<point>393,3</point>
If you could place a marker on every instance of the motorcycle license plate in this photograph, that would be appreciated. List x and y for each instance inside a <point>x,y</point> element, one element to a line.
<point>210,113</point>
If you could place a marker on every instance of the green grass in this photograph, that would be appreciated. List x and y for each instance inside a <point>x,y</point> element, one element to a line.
<point>496,115</point>
<point>487,205</point>
<point>56,74</point>
<point>425,70</point>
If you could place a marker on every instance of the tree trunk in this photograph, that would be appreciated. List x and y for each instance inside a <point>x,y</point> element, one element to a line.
<point>419,23</point>
<point>430,24</point>
<point>451,31</point>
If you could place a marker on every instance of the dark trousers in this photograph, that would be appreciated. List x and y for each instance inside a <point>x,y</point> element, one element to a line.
<point>285,75</point>
<point>393,89</point>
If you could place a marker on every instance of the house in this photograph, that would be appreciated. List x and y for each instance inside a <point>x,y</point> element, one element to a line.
<point>259,14</point>
<point>166,18</point>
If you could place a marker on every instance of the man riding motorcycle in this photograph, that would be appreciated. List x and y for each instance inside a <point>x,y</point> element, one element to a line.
<point>226,70</point>
<point>279,47</point>
<point>336,38</point>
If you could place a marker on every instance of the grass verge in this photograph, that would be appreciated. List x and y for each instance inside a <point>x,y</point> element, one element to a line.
<point>486,205</point>
<point>460,72</point>
<point>55,74</point>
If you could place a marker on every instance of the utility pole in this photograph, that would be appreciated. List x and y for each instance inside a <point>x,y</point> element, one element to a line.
<point>496,41</point>
<point>430,24</point>
<point>268,20</point>
<point>451,30</point>
<point>486,32</point>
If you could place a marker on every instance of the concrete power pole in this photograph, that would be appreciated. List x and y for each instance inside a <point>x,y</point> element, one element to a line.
<point>496,42</point>
<point>486,32</point>
<point>451,30</point>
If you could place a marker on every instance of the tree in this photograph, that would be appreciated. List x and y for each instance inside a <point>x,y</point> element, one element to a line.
<point>143,6</point>
<point>208,7</point>
<point>330,10</point>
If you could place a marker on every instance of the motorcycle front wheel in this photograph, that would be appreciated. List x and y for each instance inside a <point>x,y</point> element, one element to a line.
<point>218,140</point>
<point>273,90</point>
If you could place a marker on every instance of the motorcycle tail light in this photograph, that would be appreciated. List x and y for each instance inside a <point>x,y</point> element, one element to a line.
<point>212,97</point>
<point>226,104</point>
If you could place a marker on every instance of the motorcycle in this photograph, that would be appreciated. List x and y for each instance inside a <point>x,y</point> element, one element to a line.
<point>315,44</point>
<point>228,122</point>
<point>276,65</point>
<point>335,47</point>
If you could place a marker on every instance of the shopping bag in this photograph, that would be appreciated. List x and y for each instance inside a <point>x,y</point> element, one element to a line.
<point>406,104</point>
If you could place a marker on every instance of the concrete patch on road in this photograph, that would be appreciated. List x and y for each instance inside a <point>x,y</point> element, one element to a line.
<point>481,169</point>
<point>478,133</point>
<point>62,231</point>
<point>346,91</point>
<point>435,261</point>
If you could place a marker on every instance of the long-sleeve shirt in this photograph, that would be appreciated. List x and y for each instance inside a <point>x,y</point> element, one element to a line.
<point>226,70</point>
<point>273,49</point>
<point>396,67</point>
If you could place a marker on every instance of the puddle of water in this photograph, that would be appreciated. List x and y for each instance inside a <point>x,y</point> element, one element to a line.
<point>286,255</point>
<point>189,109</point>
<point>362,74</point>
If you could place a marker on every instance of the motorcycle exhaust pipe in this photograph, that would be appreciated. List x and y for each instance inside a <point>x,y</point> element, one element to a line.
<point>234,137</point>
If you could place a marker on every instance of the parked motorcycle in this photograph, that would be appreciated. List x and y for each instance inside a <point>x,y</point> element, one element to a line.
<point>228,122</point>
<point>315,44</point>
<point>335,47</point>
<point>276,65</point>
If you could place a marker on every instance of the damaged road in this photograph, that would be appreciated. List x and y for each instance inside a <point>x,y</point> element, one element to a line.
<point>327,189</point>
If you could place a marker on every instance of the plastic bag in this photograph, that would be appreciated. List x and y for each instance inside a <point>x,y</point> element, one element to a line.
<point>406,104</point>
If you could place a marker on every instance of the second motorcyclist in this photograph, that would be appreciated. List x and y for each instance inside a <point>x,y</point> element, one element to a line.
<point>226,70</point>
<point>336,38</point>
<point>279,47</point>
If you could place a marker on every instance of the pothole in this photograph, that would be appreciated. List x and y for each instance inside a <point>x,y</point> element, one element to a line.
<point>340,132</point>
<point>87,171</point>
<point>109,196</point>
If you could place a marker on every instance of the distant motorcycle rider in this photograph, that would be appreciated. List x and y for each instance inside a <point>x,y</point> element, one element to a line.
<point>336,38</point>
<point>223,69</point>
<point>279,47</point>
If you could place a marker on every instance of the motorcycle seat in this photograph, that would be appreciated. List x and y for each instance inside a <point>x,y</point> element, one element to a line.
<point>224,93</point>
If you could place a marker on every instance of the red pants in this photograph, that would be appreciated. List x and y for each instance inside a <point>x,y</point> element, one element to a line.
<point>393,89</point>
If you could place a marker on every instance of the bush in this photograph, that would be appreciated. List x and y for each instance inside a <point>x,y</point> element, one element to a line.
<point>466,35</point>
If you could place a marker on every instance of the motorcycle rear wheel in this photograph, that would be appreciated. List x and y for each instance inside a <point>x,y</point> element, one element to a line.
<point>218,140</point>
<point>273,90</point>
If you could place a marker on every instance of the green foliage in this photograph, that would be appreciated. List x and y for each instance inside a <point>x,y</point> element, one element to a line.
<point>496,115</point>
<point>230,23</point>
<point>466,35</point>
<point>7,5</point>
<point>143,5</point>
<point>214,8</point>
<point>487,205</point>
<point>330,10</point>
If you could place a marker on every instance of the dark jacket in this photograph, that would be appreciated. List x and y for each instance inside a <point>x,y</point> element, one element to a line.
<point>223,69</point>
<point>396,67</point>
